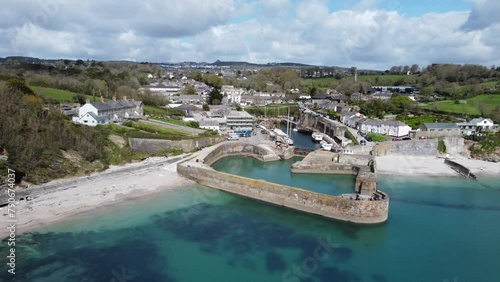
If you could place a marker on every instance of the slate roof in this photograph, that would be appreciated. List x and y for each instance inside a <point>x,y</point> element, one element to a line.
<point>438,125</point>
<point>209,122</point>
<point>98,118</point>
<point>394,123</point>
<point>373,122</point>
<point>480,120</point>
<point>114,105</point>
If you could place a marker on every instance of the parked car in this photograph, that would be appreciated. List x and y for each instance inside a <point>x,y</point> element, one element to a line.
<point>368,138</point>
<point>233,137</point>
<point>396,139</point>
<point>422,137</point>
<point>406,138</point>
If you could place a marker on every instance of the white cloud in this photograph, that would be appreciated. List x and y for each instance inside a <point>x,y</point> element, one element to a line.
<point>264,31</point>
<point>484,14</point>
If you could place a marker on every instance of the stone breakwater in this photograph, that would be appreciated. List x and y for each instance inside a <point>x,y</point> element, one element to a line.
<point>335,207</point>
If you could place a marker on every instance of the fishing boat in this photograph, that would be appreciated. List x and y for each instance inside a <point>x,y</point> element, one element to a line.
<point>327,146</point>
<point>316,136</point>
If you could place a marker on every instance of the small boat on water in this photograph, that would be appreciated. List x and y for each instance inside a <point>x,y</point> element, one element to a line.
<point>327,146</point>
<point>295,130</point>
<point>316,136</point>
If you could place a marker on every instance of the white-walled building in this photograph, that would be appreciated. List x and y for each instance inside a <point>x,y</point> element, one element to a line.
<point>371,126</point>
<point>104,112</point>
<point>483,124</point>
<point>210,123</point>
<point>233,94</point>
<point>394,128</point>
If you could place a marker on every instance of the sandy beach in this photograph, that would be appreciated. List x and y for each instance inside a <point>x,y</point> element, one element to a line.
<point>432,166</point>
<point>71,196</point>
<point>80,194</point>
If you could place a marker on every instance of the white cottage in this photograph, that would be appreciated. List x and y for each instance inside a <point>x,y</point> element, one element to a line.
<point>483,124</point>
<point>395,128</point>
<point>104,112</point>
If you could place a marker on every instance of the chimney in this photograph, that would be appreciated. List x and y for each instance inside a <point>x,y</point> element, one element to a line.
<point>87,101</point>
<point>102,99</point>
<point>125,98</point>
<point>114,98</point>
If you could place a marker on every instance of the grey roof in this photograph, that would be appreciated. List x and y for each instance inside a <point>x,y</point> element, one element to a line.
<point>98,118</point>
<point>187,107</point>
<point>372,122</point>
<point>114,105</point>
<point>190,97</point>
<point>347,114</point>
<point>394,123</point>
<point>209,122</point>
<point>479,120</point>
<point>438,125</point>
<point>239,114</point>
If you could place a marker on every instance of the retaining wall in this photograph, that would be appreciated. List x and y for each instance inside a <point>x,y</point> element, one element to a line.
<point>455,146</point>
<point>407,148</point>
<point>151,146</point>
<point>366,212</point>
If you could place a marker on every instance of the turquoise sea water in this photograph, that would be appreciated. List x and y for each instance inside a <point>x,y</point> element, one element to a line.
<point>439,229</point>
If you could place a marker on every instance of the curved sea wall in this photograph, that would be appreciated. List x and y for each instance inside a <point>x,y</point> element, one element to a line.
<point>335,207</point>
<point>240,149</point>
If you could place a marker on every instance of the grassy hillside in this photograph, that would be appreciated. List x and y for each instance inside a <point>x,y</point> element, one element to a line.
<point>469,106</point>
<point>56,94</point>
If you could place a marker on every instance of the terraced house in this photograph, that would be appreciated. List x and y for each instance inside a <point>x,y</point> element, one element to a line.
<point>104,112</point>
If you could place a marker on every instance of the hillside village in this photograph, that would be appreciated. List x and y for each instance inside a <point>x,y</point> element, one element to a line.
<point>173,101</point>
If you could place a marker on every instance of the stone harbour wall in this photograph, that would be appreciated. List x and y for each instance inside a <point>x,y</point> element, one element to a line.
<point>240,149</point>
<point>364,212</point>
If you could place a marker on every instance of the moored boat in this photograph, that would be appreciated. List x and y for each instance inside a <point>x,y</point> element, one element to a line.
<point>316,136</point>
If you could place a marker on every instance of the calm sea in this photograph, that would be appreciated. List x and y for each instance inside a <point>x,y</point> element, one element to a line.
<point>439,229</point>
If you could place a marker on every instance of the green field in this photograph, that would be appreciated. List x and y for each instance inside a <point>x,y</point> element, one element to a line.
<point>469,106</point>
<point>159,129</point>
<point>378,137</point>
<point>56,94</point>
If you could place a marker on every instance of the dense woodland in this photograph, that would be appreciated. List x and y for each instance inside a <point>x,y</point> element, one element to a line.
<point>33,135</point>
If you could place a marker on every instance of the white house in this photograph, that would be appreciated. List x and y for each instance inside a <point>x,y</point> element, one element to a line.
<point>483,124</point>
<point>370,125</point>
<point>394,128</point>
<point>210,123</point>
<point>113,110</point>
<point>353,121</point>
<point>345,116</point>
<point>92,119</point>
<point>233,94</point>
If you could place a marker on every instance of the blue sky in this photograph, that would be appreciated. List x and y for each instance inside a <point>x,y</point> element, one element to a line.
<point>373,34</point>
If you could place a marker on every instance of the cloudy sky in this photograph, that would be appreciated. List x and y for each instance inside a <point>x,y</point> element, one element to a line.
<point>374,34</point>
